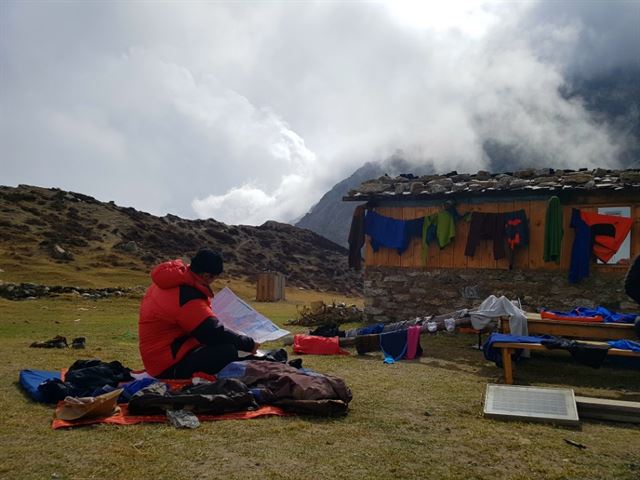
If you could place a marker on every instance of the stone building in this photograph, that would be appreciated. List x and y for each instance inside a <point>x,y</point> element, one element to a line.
<point>402,286</point>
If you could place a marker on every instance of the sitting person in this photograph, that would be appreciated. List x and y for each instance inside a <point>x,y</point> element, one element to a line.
<point>178,332</point>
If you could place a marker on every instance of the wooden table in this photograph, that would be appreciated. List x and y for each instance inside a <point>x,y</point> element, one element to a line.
<point>588,331</point>
<point>509,347</point>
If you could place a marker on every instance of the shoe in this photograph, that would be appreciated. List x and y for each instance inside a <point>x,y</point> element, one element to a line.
<point>56,342</point>
<point>78,342</point>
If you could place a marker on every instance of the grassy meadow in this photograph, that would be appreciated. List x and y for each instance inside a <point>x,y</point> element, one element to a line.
<point>411,420</point>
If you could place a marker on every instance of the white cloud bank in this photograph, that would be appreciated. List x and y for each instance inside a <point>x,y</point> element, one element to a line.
<point>250,112</point>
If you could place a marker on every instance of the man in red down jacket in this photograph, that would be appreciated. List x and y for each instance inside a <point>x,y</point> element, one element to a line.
<point>177,330</point>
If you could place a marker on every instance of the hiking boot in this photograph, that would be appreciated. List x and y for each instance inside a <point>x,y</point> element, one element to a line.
<point>78,342</point>
<point>56,342</point>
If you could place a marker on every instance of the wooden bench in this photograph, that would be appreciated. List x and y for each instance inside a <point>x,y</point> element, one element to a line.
<point>588,331</point>
<point>508,348</point>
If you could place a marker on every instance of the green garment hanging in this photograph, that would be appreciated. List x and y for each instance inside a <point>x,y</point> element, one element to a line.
<point>553,231</point>
<point>445,231</point>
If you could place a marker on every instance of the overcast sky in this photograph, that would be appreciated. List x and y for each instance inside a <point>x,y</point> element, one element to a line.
<point>250,111</point>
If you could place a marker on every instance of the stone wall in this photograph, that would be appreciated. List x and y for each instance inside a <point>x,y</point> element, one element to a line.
<point>393,294</point>
<point>31,291</point>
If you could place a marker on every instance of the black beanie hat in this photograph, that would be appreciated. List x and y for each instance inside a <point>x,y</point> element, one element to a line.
<point>207,261</point>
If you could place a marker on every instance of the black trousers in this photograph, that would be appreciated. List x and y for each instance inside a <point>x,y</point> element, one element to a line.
<point>207,359</point>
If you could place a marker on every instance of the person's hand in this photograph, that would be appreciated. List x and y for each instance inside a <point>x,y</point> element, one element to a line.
<point>256,346</point>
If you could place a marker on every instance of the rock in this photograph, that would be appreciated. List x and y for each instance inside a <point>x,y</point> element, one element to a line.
<point>577,178</point>
<point>518,183</point>
<point>372,187</point>
<point>630,177</point>
<point>417,187</point>
<point>445,182</point>
<point>60,253</point>
<point>504,182</point>
<point>130,246</point>
<point>460,178</point>
<point>528,173</point>
<point>437,188</point>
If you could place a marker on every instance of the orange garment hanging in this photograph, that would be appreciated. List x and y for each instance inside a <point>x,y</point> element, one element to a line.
<point>605,247</point>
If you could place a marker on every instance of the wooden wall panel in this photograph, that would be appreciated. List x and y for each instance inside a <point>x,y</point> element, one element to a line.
<point>537,217</point>
<point>407,259</point>
<point>460,242</point>
<point>522,257</point>
<point>446,255</point>
<point>567,238</point>
<point>395,259</point>
<point>433,259</point>
<point>415,261</point>
<point>481,248</point>
<point>504,207</point>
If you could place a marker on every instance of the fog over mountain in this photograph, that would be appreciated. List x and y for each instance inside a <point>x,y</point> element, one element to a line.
<point>246,112</point>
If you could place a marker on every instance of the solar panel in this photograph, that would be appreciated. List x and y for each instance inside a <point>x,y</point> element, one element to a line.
<point>539,404</point>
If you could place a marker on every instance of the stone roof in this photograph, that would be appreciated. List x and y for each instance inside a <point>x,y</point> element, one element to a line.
<point>523,182</point>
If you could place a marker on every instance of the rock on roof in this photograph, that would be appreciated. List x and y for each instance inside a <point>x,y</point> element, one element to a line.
<point>528,181</point>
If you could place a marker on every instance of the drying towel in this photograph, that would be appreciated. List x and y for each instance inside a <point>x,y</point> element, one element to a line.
<point>553,231</point>
<point>413,343</point>
<point>493,307</point>
<point>393,345</point>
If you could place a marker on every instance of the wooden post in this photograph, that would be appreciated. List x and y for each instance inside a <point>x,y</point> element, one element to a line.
<point>507,365</point>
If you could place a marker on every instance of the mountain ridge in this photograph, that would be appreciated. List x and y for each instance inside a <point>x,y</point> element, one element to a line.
<point>75,230</point>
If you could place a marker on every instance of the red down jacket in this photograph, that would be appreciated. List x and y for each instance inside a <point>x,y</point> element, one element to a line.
<point>176,304</point>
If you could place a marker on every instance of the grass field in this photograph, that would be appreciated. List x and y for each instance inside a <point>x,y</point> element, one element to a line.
<point>414,419</point>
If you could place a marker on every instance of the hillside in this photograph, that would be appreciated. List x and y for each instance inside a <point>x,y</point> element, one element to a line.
<point>56,237</point>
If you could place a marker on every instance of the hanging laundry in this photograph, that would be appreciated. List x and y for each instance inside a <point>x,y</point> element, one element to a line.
<point>389,232</point>
<point>516,229</point>
<point>393,345</point>
<point>581,250</point>
<point>356,238</point>
<point>486,226</point>
<point>414,349</point>
<point>609,231</point>
<point>553,231</point>
<point>439,227</point>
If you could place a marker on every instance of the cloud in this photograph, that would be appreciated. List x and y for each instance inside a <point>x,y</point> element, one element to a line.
<point>246,113</point>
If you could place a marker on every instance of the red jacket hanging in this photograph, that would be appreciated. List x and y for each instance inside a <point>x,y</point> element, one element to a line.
<point>606,246</point>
